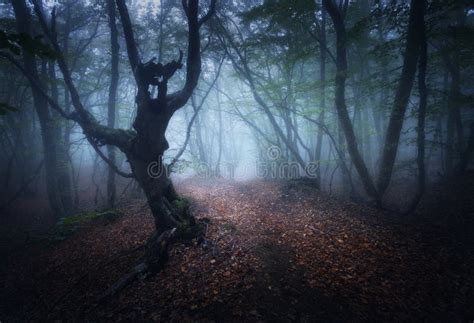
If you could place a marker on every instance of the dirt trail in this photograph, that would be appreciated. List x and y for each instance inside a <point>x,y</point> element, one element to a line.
<point>273,253</point>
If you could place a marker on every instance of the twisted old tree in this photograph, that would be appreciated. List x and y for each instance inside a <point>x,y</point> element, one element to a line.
<point>146,143</point>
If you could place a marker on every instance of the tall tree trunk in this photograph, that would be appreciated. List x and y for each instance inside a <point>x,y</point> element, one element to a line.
<point>146,162</point>
<point>378,110</point>
<point>64,171</point>
<point>220,135</point>
<point>322,102</point>
<point>368,139</point>
<point>23,20</point>
<point>198,129</point>
<point>454,125</point>
<point>399,107</point>
<point>345,167</point>
<point>420,159</point>
<point>153,115</point>
<point>145,146</point>
<point>111,111</point>
<point>402,95</point>
<point>67,105</point>
<point>340,101</point>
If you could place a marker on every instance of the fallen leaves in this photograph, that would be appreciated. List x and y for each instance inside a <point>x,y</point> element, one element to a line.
<point>270,253</point>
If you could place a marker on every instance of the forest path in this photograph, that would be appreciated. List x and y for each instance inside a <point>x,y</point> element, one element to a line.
<point>264,220</point>
<point>273,252</point>
<point>317,257</point>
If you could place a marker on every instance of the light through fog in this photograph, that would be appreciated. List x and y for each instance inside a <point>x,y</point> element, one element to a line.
<point>223,160</point>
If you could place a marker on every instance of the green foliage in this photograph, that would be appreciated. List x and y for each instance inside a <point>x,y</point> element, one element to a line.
<point>5,108</point>
<point>16,43</point>
<point>281,11</point>
<point>68,225</point>
<point>279,32</point>
<point>181,203</point>
<point>187,231</point>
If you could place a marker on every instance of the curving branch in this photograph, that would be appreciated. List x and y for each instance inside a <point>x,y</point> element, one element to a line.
<point>184,3</point>
<point>193,118</point>
<point>209,14</point>
<point>193,62</point>
<point>241,65</point>
<point>132,50</point>
<point>97,133</point>
<point>402,95</point>
<point>246,120</point>
<point>109,162</point>
<point>73,117</point>
<point>35,83</point>
<point>340,100</point>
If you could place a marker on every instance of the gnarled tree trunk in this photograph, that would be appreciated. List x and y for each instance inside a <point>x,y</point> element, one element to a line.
<point>146,161</point>
<point>145,153</point>
<point>145,146</point>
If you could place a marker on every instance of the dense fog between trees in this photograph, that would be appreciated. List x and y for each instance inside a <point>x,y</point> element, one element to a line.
<point>264,105</point>
<point>269,152</point>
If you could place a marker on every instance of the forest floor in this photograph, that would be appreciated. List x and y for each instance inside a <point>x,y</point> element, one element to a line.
<point>273,252</point>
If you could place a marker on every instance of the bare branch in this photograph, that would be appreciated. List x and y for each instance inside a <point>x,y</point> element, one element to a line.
<point>196,111</point>
<point>185,7</point>
<point>34,83</point>
<point>193,62</point>
<point>210,13</point>
<point>132,50</point>
<point>98,133</point>
<point>109,162</point>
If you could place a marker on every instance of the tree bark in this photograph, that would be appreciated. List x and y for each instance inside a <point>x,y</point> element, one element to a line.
<point>111,111</point>
<point>420,159</point>
<point>198,133</point>
<point>145,146</point>
<point>23,20</point>
<point>153,115</point>
<point>400,103</point>
<point>340,102</point>
<point>219,144</point>
<point>64,171</point>
<point>322,80</point>
<point>402,95</point>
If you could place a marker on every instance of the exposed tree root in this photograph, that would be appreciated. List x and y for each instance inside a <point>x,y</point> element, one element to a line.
<point>157,253</point>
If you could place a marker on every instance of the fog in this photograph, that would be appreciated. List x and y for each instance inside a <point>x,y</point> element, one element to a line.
<point>245,82</point>
<point>224,160</point>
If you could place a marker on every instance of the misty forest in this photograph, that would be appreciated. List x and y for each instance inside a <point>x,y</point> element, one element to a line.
<point>224,160</point>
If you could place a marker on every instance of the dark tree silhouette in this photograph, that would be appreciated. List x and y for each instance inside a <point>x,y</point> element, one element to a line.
<point>145,145</point>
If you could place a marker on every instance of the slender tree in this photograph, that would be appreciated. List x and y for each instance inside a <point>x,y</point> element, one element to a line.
<point>402,94</point>
<point>322,80</point>
<point>423,92</point>
<point>392,138</point>
<point>340,101</point>
<point>111,111</point>
<point>48,131</point>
